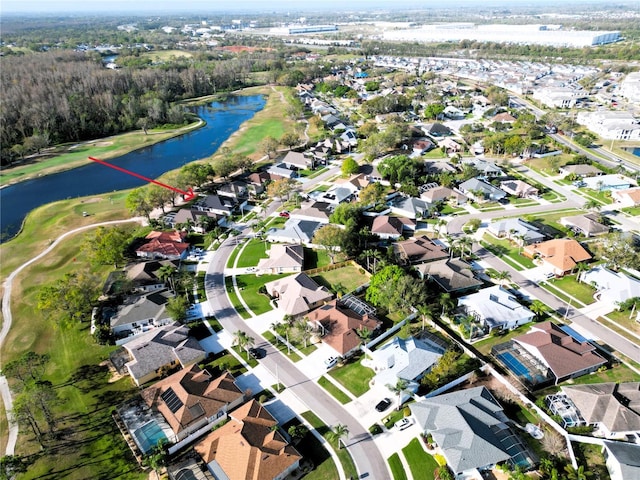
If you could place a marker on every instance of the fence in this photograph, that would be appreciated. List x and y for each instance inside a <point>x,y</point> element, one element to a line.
<point>449,385</point>
<point>333,266</point>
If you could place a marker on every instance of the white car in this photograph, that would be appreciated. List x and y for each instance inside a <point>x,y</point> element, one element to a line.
<point>330,362</point>
<point>406,422</point>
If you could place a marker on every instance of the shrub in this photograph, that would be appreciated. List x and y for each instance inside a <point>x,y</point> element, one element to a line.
<point>406,412</point>
<point>375,429</point>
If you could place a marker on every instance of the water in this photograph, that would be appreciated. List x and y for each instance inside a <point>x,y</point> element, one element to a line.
<point>635,151</point>
<point>222,119</point>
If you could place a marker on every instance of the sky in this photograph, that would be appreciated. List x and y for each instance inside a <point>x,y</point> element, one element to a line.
<point>161,6</point>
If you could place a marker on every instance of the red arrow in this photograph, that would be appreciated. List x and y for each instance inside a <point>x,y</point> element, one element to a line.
<point>188,195</point>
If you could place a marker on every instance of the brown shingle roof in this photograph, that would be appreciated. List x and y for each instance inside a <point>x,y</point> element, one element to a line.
<point>341,325</point>
<point>201,396</point>
<point>419,250</point>
<point>562,353</point>
<point>562,253</point>
<point>386,225</point>
<point>247,448</point>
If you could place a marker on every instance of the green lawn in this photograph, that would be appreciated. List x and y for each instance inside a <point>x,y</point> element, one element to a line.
<point>489,206</point>
<point>321,188</point>
<point>602,196</point>
<point>581,291</point>
<point>222,361</point>
<point>353,376</point>
<point>422,464</point>
<point>281,346</point>
<point>232,258</point>
<point>249,285</point>
<point>633,211</point>
<point>252,252</point>
<point>625,320</point>
<point>558,293</point>
<point>348,276</point>
<point>484,346</point>
<point>314,258</point>
<point>397,469</point>
<point>505,249</point>
<point>343,454</point>
<point>233,298</point>
<point>449,210</point>
<point>553,197</point>
<point>333,390</point>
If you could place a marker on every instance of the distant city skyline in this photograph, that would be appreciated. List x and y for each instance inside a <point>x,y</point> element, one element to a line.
<point>258,6</point>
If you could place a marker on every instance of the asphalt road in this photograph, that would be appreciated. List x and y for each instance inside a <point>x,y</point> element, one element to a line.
<point>364,451</point>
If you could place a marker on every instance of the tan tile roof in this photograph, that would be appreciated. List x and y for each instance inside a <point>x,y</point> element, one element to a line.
<point>563,354</point>
<point>201,396</point>
<point>385,224</point>
<point>283,256</point>
<point>247,448</point>
<point>165,243</point>
<point>298,293</point>
<point>341,325</point>
<point>562,253</point>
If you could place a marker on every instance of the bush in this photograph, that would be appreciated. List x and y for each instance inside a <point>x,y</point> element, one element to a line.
<point>406,412</point>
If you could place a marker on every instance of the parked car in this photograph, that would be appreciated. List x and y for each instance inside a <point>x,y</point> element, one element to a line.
<point>284,214</point>
<point>406,422</point>
<point>383,405</point>
<point>330,362</point>
<point>257,353</point>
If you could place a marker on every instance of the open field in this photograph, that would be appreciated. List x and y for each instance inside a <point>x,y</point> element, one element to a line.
<point>349,277</point>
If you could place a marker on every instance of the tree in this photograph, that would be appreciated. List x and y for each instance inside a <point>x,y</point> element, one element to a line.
<point>553,443</point>
<point>137,202</point>
<point>426,312</point>
<point>349,167</point>
<point>297,433</point>
<point>584,139</point>
<point>243,340</point>
<point>538,308</point>
<point>10,465</point>
<point>157,457</point>
<point>619,250</point>
<point>282,188</point>
<point>346,213</point>
<point>433,110</point>
<point>364,334</point>
<point>290,140</point>
<point>446,302</point>
<point>72,297</point>
<point>177,308</point>
<point>106,246</point>
<point>592,205</point>
<point>502,276</point>
<point>372,194</point>
<point>399,389</point>
<point>338,432</point>
<point>269,146</point>
<point>381,283</point>
<point>577,474</point>
<point>331,238</point>
<point>197,174</point>
<point>304,329</point>
<point>225,166</point>
<point>166,273</point>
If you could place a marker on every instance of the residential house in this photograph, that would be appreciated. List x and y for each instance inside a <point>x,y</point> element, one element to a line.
<point>249,446</point>
<point>613,409</point>
<point>481,191</point>
<point>450,146</point>
<point>563,355</point>
<point>191,399</point>
<point>453,113</point>
<point>622,460</point>
<point>418,250</point>
<point>160,350</point>
<point>485,168</point>
<point>195,220</point>
<point>215,204</point>
<point>280,170</point>
<point>372,174</point>
<point>451,275</point>
<point>387,227</point>
<point>436,129</point>
<point>339,326</point>
<point>586,224</point>
<point>144,275</point>
<point>558,97</point>
<point>630,87</point>
<point>404,359</point>
<point>294,231</point>
<point>496,308</point>
<point>504,117</point>
<point>236,189</point>
<point>422,146</point>
<point>611,125</point>
<point>339,193</point>
<point>139,313</point>
<point>439,194</point>
<point>560,255</point>
<point>297,294</point>
<point>581,170</point>
<point>298,161</point>
<point>164,245</point>
<point>409,207</point>
<point>518,188</point>
<point>517,230</point>
<point>472,430</point>
<point>436,168</point>
<point>256,182</point>
<point>349,139</point>
<point>313,212</point>
<point>282,259</point>
<point>629,197</point>
<point>612,287</point>
<point>609,182</point>
<point>333,123</point>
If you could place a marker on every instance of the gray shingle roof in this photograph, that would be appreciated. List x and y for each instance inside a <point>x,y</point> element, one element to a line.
<point>464,425</point>
<point>628,456</point>
<point>143,307</point>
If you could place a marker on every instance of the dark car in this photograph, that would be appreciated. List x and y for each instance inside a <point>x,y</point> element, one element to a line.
<point>383,405</point>
<point>257,353</point>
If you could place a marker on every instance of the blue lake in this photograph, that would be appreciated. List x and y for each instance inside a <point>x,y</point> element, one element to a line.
<point>222,119</point>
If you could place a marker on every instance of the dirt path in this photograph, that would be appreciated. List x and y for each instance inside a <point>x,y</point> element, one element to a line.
<point>7,321</point>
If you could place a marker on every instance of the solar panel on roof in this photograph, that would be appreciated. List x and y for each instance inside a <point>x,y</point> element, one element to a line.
<point>172,401</point>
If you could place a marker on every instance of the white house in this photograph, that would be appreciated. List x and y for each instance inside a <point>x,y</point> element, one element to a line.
<point>611,125</point>
<point>496,308</point>
<point>614,287</point>
<point>629,197</point>
<point>622,458</point>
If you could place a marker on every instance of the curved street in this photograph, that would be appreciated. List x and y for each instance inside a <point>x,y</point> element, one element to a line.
<point>360,444</point>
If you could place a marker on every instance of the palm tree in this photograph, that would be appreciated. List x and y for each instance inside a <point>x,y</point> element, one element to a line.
<point>368,254</point>
<point>592,205</point>
<point>365,334</point>
<point>166,273</point>
<point>538,308</point>
<point>304,329</point>
<point>338,433</point>
<point>577,474</point>
<point>438,226</point>
<point>465,242</point>
<point>243,341</point>
<point>446,302</point>
<point>399,388</point>
<point>503,276</point>
<point>425,312</point>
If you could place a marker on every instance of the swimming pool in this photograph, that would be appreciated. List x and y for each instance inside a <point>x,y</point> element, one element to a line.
<point>148,436</point>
